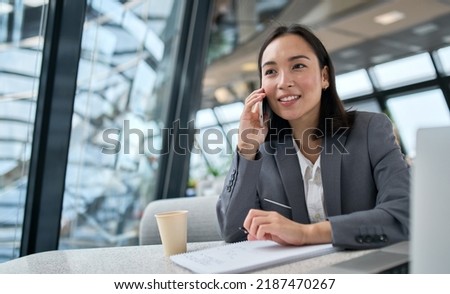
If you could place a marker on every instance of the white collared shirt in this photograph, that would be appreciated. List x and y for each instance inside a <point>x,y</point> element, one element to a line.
<point>312,181</point>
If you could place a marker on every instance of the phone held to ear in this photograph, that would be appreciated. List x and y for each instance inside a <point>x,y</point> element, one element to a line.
<point>261,114</point>
<point>262,110</point>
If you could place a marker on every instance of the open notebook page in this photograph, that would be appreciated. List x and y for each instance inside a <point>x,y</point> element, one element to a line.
<point>246,256</point>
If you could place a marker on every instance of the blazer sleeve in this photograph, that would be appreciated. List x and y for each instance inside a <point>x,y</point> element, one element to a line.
<point>238,196</point>
<point>388,221</point>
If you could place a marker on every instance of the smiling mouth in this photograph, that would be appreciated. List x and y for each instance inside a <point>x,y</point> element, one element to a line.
<point>289,98</point>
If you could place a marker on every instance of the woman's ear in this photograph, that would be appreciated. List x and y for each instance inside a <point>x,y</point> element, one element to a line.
<point>325,77</point>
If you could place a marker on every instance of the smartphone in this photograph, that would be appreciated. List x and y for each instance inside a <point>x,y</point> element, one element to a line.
<point>261,112</point>
<point>263,108</point>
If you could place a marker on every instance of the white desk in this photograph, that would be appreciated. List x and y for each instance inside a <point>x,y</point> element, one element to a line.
<point>147,259</point>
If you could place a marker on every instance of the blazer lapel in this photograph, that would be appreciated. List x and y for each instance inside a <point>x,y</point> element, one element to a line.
<point>330,162</point>
<point>291,177</point>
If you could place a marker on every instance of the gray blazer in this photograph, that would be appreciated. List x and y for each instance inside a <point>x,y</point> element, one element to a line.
<point>365,182</point>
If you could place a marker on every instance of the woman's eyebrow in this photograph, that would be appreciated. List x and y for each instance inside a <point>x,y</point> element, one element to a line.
<point>298,57</point>
<point>292,58</point>
<point>268,63</point>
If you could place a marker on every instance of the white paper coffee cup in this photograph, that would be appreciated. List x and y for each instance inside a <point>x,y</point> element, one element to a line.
<point>172,226</point>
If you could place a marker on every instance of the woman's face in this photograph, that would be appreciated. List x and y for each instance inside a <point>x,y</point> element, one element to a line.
<point>292,79</point>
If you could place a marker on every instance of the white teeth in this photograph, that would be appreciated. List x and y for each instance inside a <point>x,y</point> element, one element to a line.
<point>288,98</point>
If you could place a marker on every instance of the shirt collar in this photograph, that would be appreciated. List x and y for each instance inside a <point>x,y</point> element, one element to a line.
<point>305,163</point>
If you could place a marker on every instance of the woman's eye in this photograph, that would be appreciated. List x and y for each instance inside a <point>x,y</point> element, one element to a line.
<point>269,72</point>
<point>299,65</point>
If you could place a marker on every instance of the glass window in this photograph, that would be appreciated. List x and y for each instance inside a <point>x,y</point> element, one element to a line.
<point>123,87</point>
<point>229,112</point>
<point>21,45</point>
<point>353,84</point>
<point>444,58</point>
<point>405,71</point>
<point>214,146</point>
<point>205,118</point>
<point>198,167</point>
<point>418,110</point>
<point>231,130</point>
<point>237,22</point>
<point>210,160</point>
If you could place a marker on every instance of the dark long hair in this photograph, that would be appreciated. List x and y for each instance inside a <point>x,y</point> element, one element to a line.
<point>332,117</point>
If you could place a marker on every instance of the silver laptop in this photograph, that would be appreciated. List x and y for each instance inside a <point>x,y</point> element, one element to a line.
<point>430,202</point>
<point>428,250</point>
<point>390,259</point>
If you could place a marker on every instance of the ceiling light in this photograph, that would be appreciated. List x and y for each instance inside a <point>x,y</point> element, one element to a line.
<point>223,95</point>
<point>249,66</point>
<point>241,89</point>
<point>349,53</point>
<point>425,29</point>
<point>208,82</point>
<point>35,3</point>
<point>389,17</point>
<point>5,8</point>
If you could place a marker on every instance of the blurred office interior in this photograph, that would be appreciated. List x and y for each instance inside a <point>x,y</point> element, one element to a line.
<point>100,100</point>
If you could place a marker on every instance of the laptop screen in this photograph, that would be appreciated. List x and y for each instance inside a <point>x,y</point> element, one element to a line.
<point>430,202</point>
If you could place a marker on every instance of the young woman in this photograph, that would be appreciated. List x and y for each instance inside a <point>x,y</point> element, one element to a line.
<point>313,172</point>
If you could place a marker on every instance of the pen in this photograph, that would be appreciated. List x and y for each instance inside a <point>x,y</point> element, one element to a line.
<point>242,229</point>
<point>238,234</point>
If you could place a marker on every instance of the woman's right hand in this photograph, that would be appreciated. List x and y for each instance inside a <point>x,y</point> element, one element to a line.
<point>251,133</point>
<point>270,225</point>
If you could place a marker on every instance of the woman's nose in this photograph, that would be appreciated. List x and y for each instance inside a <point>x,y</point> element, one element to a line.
<point>285,81</point>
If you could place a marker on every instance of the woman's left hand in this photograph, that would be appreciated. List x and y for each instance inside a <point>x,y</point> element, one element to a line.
<point>270,225</point>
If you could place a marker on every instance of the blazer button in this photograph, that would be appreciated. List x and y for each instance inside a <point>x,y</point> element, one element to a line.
<point>383,238</point>
<point>359,239</point>
<point>368,239</point>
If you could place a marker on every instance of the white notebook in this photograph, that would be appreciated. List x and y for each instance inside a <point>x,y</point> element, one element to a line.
<point>246,256</point>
